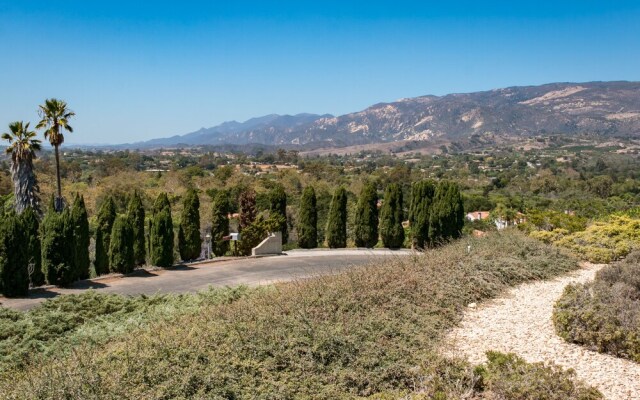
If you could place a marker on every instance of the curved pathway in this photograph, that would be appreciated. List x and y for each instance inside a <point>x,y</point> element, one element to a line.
<point>521,323</point>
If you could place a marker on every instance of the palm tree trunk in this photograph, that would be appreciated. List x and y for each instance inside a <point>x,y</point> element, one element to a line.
<point>59,198</point>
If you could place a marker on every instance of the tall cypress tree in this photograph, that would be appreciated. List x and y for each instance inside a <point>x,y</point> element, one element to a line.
<point>14,264</point>
<point>161,203</point>
<point>391,216</point>
<point>80,223</point>
<point>366,219</point>
<point>307,227</point>
<point>248,211</point>
<point>189,240</point>
<point>337,223</point>
<point>447,216</point>
<point>31,228</point>
<point>121,257</point>
<point>422,194</point>
<point>278,205</point>
<point>220,224</point>
<point>135,212</point>
<point>106,218</point>
<point>161,235</point>
<point>58,248</point>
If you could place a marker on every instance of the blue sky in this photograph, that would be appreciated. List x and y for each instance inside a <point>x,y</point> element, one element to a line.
<point>153,69</point>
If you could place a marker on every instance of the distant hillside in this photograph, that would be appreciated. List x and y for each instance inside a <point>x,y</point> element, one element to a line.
<point>602,108</point>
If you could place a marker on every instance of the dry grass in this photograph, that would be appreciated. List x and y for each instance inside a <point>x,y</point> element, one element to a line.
<point>371,331</point>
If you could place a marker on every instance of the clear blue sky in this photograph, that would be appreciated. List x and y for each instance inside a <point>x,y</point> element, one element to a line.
<point>155,69</point>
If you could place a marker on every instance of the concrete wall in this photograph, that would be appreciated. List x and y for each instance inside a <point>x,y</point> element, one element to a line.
<point>271,245</point>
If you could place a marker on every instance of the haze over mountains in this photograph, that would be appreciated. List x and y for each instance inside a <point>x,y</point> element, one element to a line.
<point>601,108</point>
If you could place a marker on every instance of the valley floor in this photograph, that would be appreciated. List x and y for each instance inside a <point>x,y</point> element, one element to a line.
<point>520,323</point>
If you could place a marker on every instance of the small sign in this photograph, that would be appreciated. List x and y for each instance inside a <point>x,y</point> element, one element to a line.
<point>235,236</point>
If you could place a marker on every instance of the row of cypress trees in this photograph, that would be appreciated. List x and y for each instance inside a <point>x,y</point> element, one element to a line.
<point>436,215</point>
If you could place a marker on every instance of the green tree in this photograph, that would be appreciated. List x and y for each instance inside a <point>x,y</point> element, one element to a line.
<point>337,223</point>
<point>121,257</point>
<point>58,248</point>
<point>31,229</point>
<point>189,240</point>
<point>55,117</point>
<point>308,219</point>
<point>419,210</point>
<point>447,213</point>
<point>80,222</point>
<point>220,224</point>
<point>106,218</point>
<point>248,211</point>
<point>391,217</point>
<point>14,265</point>
<point>278,206</point>
<point>136,214</point>
<point>365,231</point>
<point>22,149</point>
<point>161,234</point>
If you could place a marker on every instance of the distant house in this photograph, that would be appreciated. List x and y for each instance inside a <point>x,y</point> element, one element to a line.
<point>478,215</point>
<point>500,223</point>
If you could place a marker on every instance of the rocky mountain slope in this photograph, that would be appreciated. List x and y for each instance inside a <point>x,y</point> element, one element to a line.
<point>602,108</point>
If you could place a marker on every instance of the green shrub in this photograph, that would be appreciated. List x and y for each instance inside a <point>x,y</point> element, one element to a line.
<point>58,248</point>
<point>307,227</point>
<point>121,257</point>
<point>80,223</point>
<point>604,314</point>
<point>161,239</point>
<point>278,205</point>
<point>337,223</point>
<point>31,229</point>
<point>189,240</point>
<point>220,224</point>
<point>419,211</point>
<point>14,273</point>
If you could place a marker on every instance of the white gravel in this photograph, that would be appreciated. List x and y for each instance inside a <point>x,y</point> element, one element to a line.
<point>520,323</point>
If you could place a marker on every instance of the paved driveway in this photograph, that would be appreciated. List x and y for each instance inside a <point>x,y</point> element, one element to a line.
<point>246,271</point>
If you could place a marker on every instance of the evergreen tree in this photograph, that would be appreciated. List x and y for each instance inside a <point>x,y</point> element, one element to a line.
<point>80,222</point>
<point>31,229</point>
<point>121,257</point>
<point>106,217</point>
<point>419,210</point>
<point>161,203</point>
<point>366,219</point>
<point>248,211</point>
<point>447,216</point>
<point>391,216</point>
<point>337,223</point>
<point>14,265</point>
<point>220,224</point>
<point>278,206</point>
<point>161,235</point>
<point>58,251</point>
<point>308,219</point>
<point>189,240</point>
<point>135,212</point>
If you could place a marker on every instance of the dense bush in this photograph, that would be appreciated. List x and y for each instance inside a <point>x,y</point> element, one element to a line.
<point>369,331</point>
<point>419,211</point>
<point>391,217</point>
<point>248,210</point>
<point>31,228</point>
<point>365,230</point>
<point>58,248</point>
<point>136,214</point>
<point>189,240</point>
<point>121,257</point>
<point>14,273</point>
<point>106,218</point>
<point>337,223</point>
<point>161,239</point>
<point>602,242</point>
<point>278,205</point>
<point>307,227</point>
<point>604,314</point>
<point>220,224</point>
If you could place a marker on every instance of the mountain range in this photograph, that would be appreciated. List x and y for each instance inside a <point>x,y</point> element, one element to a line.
<point>598,108</point>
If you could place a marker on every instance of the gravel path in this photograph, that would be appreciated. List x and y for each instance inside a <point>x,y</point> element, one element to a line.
<point>520,323</point>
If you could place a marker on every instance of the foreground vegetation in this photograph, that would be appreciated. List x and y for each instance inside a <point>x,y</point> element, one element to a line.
<point>604,314</point>
<point>370,331</point>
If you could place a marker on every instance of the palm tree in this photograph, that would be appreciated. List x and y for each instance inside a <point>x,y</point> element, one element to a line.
<point>22,148</point>
<point>55,116</point>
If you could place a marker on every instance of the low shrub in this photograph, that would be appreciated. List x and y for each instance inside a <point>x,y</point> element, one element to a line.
<point>368,331</point>
<point>604,314</point>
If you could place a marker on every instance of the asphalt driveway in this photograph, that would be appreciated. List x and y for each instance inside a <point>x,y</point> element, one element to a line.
<point>233,272</point>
